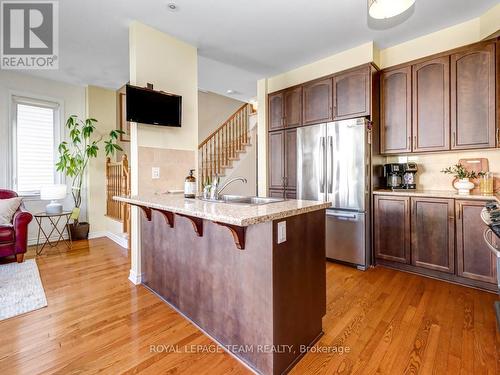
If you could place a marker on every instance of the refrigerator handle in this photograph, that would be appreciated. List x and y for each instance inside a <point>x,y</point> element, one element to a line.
<point>330,172</point>
<point>322,165</point>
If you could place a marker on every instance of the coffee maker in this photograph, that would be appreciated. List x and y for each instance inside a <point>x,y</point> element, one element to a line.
<point>409,172</point>
<point>393,174</point>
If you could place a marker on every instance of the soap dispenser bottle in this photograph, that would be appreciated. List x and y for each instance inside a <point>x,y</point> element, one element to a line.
<point>190,185</point>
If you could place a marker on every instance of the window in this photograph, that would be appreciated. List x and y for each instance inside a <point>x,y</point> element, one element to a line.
<point>36,135</point>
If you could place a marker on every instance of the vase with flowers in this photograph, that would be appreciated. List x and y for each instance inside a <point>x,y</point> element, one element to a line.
<point>463,177</point>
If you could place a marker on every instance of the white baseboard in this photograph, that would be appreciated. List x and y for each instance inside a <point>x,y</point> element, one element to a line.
<point>122,241</point>
<point>134,277</point>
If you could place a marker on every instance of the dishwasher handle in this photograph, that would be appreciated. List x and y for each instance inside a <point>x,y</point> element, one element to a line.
<point>342,215</point>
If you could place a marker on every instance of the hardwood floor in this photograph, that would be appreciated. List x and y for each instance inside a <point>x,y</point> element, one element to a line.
<point>391,322</point>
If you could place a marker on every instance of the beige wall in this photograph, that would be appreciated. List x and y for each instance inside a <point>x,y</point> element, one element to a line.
<point>101,105</point>
<point>343,60</point>
<point>170,65</point>
<point>213,110</point>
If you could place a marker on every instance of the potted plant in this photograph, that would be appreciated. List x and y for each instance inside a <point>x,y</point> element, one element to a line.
<point>74,157</point>
<point>463,176</point>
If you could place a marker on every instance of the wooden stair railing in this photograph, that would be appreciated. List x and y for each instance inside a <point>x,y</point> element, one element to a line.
<point>224,144</point>
<point>118,183</point>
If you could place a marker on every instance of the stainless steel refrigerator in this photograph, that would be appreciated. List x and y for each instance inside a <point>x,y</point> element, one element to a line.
<point>333,164</point>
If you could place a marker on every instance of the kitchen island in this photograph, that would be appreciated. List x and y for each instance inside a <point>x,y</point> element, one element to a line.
<point>252,277</point>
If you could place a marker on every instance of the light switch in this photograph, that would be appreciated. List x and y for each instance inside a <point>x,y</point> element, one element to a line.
<point>281,231</point>
<point>155,173</point>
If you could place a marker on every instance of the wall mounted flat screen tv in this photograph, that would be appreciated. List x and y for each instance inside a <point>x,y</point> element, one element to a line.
<point>153,107</point>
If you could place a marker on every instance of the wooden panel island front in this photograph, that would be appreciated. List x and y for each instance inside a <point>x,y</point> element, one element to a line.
<point>221,266</point>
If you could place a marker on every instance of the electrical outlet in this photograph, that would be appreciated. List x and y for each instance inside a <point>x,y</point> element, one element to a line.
<point>281,231</point>
<point>155,173</point>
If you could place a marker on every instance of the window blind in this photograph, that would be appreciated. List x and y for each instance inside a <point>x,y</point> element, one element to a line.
<point>35,156</point>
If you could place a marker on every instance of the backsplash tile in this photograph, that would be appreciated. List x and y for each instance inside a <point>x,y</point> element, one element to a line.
<point>174,167</point>
<point>429,174</point>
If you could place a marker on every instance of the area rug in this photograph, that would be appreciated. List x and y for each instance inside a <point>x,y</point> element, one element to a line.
<point>21,289</point>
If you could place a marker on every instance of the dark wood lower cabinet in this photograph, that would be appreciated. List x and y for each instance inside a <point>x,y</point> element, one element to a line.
<point>282,193</point>
<point>392,228</point>
<point>474,260</point>
<point>445,239</point>
<point>433,234</point>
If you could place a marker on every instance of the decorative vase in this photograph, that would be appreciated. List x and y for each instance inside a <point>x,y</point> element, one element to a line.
<point>80,231</point>
<point>463,186</point>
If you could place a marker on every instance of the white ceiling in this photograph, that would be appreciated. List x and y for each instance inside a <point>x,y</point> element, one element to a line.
<point>238,41</point>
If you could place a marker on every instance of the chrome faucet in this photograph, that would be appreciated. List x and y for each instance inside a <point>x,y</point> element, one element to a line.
<point>216,191</point>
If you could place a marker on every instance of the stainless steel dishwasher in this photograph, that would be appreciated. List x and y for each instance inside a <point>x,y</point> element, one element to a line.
<point>492,239</point>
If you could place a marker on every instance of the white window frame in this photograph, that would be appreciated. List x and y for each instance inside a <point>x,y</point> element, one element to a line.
<point>33,100</point>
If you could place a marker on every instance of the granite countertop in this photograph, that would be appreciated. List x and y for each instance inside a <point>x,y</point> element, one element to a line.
<point>438,194</point>
<point>229,213</point>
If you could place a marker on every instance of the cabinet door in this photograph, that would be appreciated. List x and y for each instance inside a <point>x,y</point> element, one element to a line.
<point>474,260</point>
<point>277,193</point>
<point>351,94</point>
<point>291,159</point>
<point>317,101</point>
<point>395,111</point>
<point>276,160</point>
<point>433,234</point>
<point>276,111</point>
<point>291,195</point>
<point>431,105</point>
<point>293,107</point>
<point>392,228</point>
<point>473,98</point>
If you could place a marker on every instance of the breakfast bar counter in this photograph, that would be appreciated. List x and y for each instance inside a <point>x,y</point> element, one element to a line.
<point>246,274</point>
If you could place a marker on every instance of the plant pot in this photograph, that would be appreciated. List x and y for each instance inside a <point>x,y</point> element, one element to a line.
<point>463,186</point>
<point>80,231</point>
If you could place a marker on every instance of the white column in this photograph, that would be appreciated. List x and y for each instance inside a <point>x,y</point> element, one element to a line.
<point>135,243</point>
<point>262,137</point>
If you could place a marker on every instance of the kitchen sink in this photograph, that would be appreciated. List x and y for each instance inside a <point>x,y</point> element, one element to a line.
<point>241,199</point>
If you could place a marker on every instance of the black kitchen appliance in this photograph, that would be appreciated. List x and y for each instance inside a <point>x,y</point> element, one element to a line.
<point>393,174</point>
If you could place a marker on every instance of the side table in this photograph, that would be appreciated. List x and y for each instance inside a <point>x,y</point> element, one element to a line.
<point>54,222</point>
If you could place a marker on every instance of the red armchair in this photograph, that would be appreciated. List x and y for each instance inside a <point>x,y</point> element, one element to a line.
<point>14,236</point>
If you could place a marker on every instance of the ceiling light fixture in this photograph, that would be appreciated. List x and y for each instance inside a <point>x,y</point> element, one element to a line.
<point>172,7</point>
<point>230,92</point>
<point>380,9</point>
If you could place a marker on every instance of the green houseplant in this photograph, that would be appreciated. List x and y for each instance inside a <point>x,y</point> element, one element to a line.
<point>462,176</point>
<point>74,157</point>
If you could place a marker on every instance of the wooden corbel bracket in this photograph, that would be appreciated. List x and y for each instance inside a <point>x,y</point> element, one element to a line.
<point>168,216</point>
<point>197,223</point>
<point>145,210</point>
<point>237,232</point>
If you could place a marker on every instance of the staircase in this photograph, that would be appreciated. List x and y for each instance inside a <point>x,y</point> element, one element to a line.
<point>223,146</point>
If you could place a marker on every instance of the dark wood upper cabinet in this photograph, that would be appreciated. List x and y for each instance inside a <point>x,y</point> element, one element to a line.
<point>276,111</point>
<point>351,94</point>
<point>474,260</point>
<point>433,234</point>
<point>473,98</point>
<point>392,228</point>
<point>291,159</point>
<point>431,105</point>
<point>293,107</point>
<point>317,101</point>
<point>276,160</point>
<point>395,111</point>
